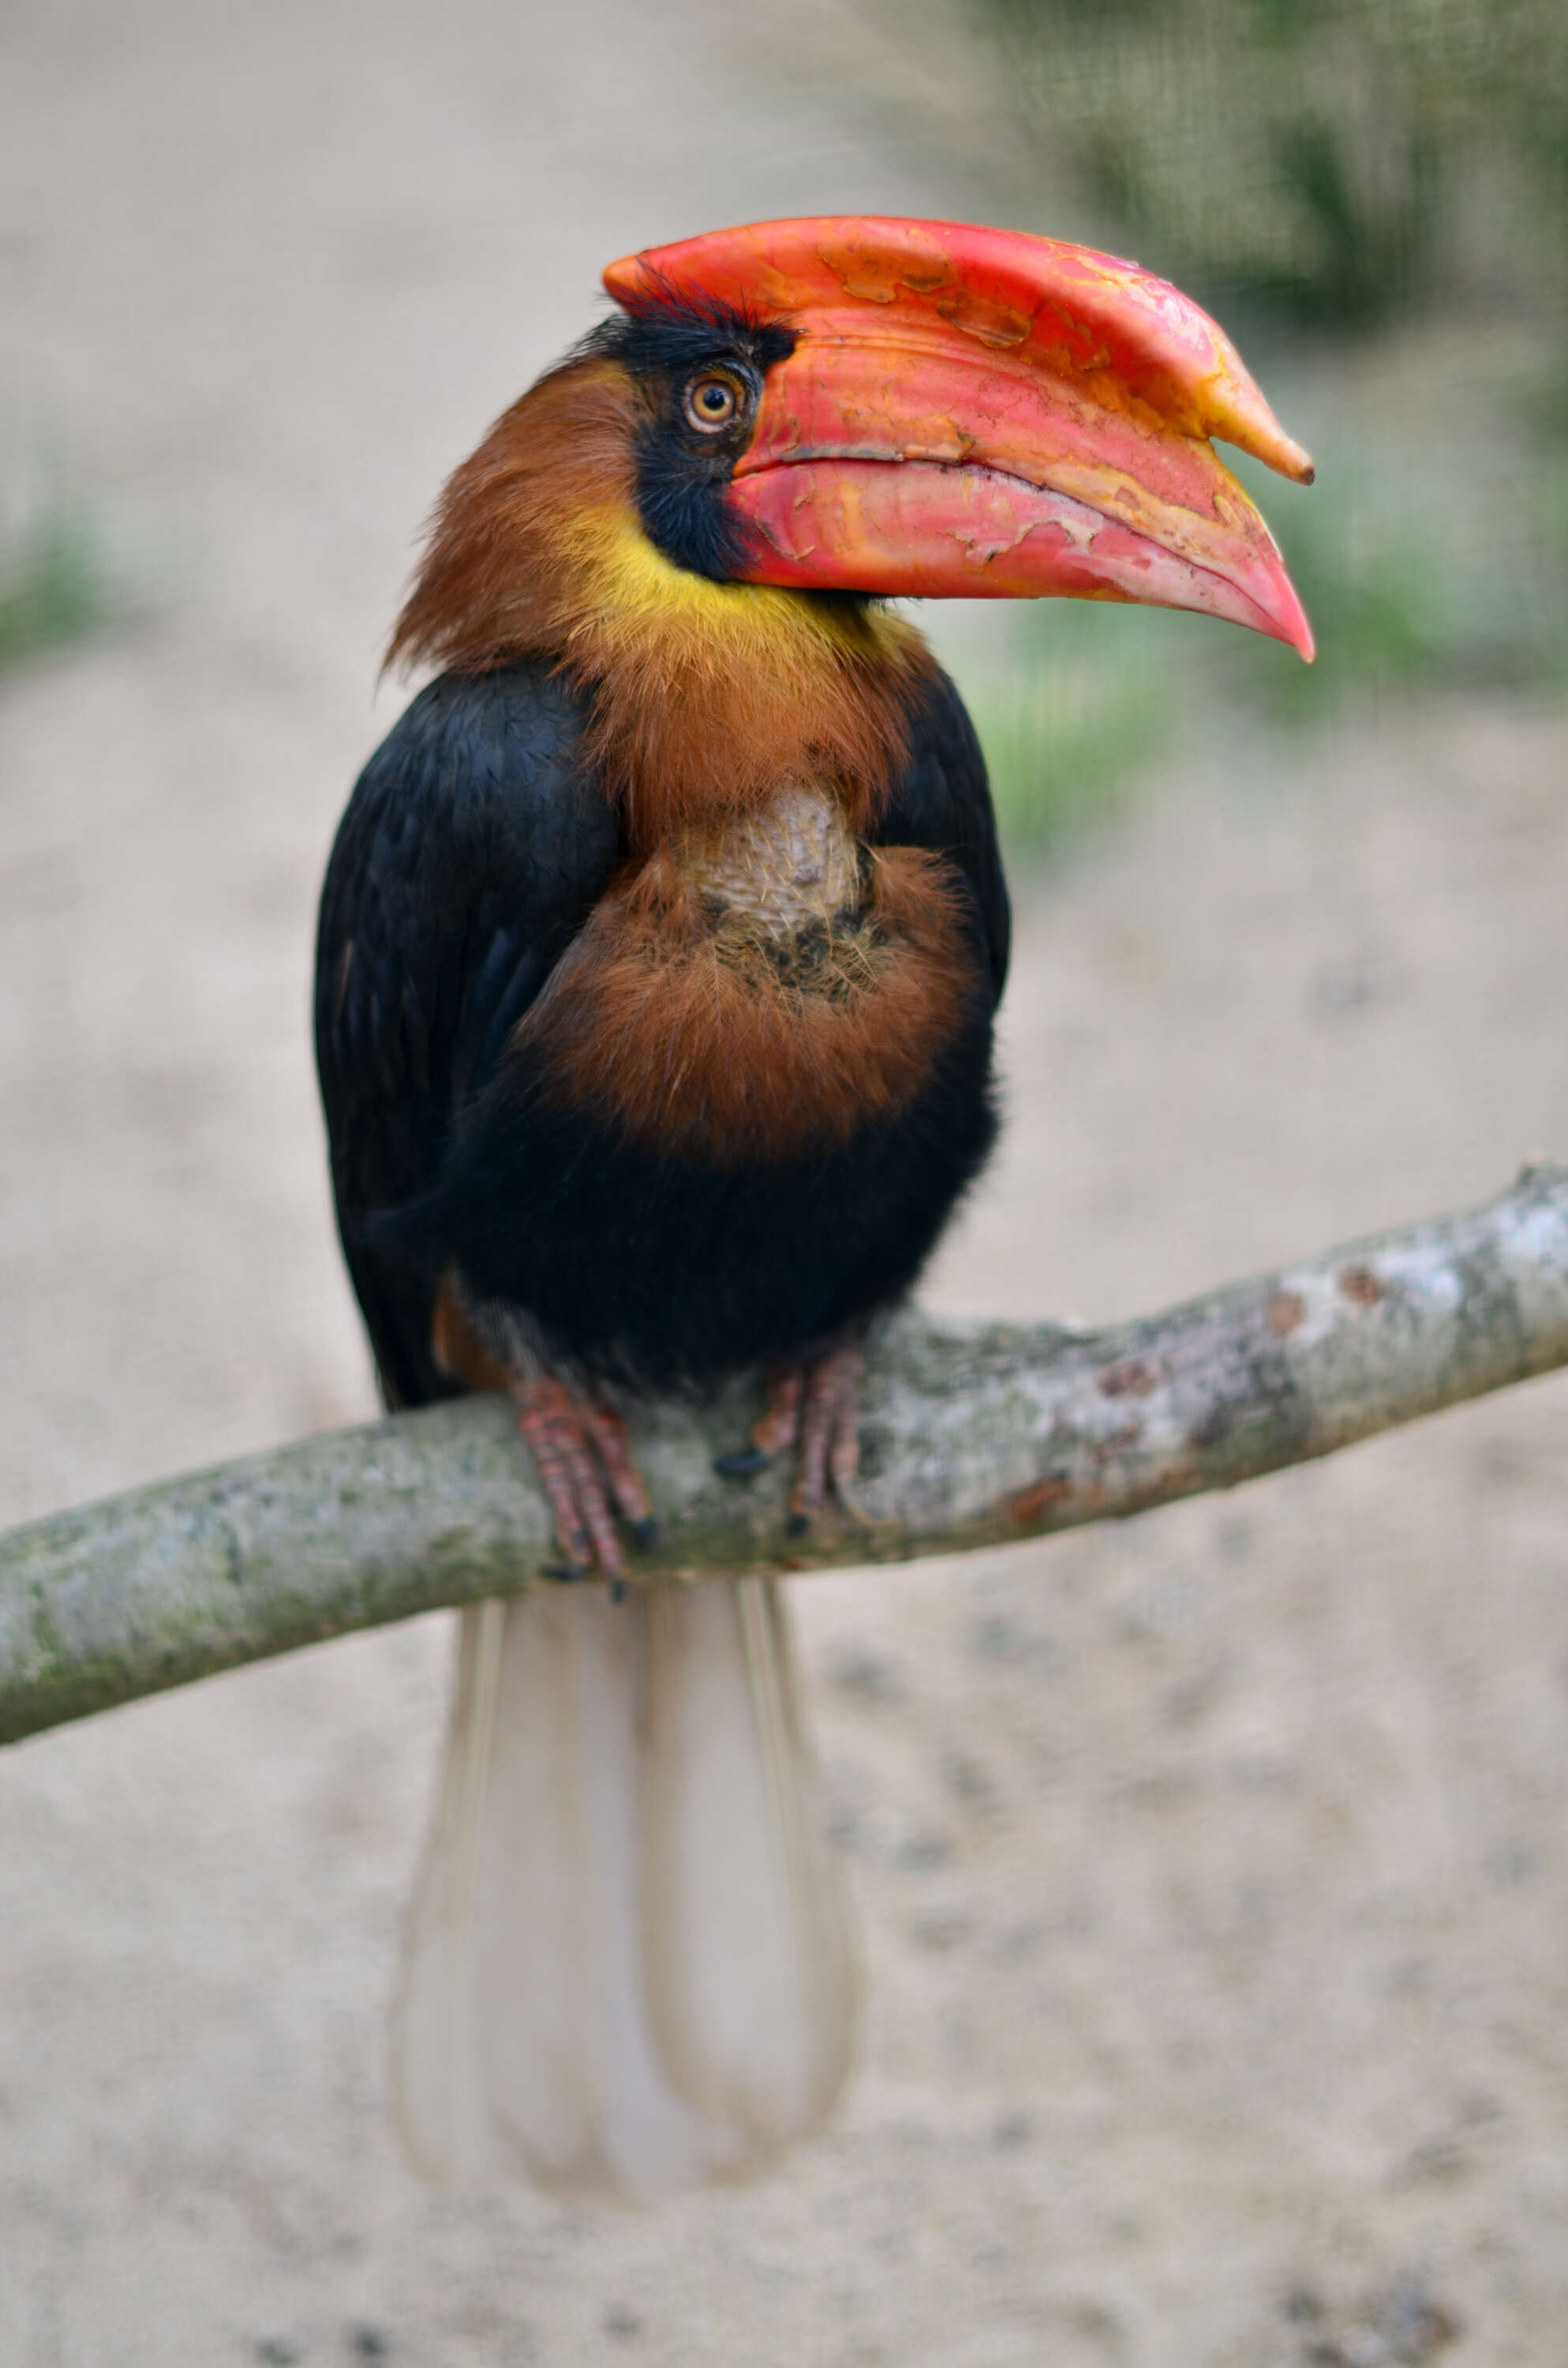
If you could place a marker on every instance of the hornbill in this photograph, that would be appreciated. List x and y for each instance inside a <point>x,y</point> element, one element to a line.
<point>658,956</point>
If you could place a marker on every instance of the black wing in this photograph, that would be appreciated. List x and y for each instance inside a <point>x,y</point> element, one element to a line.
<point>474,845</point>
<point>942,801</point>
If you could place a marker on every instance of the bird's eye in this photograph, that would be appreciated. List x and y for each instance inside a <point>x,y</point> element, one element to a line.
<point>712,401</point>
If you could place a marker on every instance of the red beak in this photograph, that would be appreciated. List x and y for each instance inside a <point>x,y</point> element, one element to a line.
<point>977,413</point>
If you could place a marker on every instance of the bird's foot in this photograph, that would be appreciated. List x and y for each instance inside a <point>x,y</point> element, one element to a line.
<point>815,1410</point>
<point>585,1468</point>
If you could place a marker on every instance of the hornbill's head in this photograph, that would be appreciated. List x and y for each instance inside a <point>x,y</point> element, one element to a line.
<point>871,405</point>
<point>695,514</point>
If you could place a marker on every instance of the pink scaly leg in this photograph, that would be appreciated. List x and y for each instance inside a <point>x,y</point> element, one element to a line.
<point>815,1410</point>
<point>830,1434</point>
<point>608,1430</point>
<point>573,1441</point>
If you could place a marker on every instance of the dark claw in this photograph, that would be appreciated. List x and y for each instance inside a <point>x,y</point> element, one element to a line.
<point>617,1590</point>
<point>798,1525</point>
<point>566,1571</point>
<point>741,1463</point>
<point>644,1535</point>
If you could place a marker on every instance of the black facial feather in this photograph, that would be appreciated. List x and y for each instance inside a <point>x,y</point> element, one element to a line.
<point>666,341</point>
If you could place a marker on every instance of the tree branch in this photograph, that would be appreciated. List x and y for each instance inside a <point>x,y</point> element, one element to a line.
<point>973,1434</point>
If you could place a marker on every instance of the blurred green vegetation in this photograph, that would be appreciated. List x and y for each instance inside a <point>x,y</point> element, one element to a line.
<point>53,576</point>
<point>1421,568</point>
<point>1333,163</point>
<point>1068,725</point>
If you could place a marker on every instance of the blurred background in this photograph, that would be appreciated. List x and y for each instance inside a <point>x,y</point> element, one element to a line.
<point>1213,1868</point>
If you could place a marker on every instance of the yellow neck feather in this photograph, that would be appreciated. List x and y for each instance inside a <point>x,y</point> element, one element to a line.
<point>630,602</point>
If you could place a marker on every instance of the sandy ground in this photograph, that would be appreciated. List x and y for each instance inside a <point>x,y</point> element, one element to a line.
<point>1211,1871</point>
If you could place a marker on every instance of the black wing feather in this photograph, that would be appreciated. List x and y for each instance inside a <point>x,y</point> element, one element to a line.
<point>473,848</point>
<point>942,801</point>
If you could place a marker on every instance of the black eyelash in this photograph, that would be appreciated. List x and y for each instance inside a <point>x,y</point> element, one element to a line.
<point>662,333</point>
